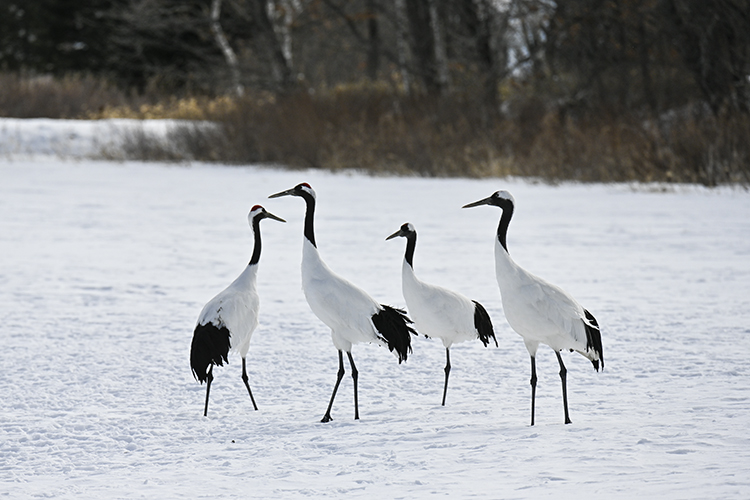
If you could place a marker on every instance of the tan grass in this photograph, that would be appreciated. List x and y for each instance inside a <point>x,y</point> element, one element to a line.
<point>379,129</point>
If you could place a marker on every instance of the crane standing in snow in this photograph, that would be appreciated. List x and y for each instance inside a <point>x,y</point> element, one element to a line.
<point>228,320</point>
<point>351,314</point>
<point>539,311</point>
<point>438,312</point>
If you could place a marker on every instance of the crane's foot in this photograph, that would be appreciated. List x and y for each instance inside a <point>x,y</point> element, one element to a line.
<point>326,418</point>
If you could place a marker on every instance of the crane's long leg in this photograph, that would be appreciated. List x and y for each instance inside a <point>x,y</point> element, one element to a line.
<point>533,386</point>
<point>244,379</point>
<point>447,372</point>
<point>355,376</point>
<point>209,378</point>
<point>564,378</point>
<point>340,375</point>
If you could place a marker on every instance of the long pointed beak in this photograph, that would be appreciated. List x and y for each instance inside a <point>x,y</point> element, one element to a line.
<point>397,233</point>
<point>486,201</point>
<point>283,193</point>
<point>274,217</point>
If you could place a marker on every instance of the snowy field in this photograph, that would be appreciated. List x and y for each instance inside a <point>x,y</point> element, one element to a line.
<point>104,268</point>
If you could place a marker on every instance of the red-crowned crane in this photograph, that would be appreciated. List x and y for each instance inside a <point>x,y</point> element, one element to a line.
<point>351,314</point>
<point>228,320</point>
<point>438,312</point>
<point>539,311</point>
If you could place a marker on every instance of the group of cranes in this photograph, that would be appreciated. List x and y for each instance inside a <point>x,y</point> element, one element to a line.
<point>538,311</point>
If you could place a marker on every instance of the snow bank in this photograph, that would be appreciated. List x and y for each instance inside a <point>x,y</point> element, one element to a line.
<point>75,139</point>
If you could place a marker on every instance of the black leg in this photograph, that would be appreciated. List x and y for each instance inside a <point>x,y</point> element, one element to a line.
<point>447,372</point>
<point>355,376</point>
<point>533,387</point>
<point>327,416</point>
<point>564,378</point>
<point>244,379</point>
<point>209,378</point>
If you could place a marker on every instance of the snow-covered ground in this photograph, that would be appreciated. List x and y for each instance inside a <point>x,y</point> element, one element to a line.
<point>104,268</point>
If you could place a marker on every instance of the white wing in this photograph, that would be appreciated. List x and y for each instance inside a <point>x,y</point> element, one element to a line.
<point>345,308</point>
<point>235,307</point>
<point>437,311</point>
<point>541,311</point>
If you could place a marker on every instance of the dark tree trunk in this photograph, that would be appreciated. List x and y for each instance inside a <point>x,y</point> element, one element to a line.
<point>423,44</point>
<point>373,41</point>
<point>281,66</point>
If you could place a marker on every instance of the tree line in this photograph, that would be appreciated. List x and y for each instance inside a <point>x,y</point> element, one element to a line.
<point>649,55</point>
<point>596,90</point>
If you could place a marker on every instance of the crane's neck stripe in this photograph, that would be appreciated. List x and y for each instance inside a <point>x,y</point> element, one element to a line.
<point>309,217</point>
<point>256,250</point>
<point>411,243</point>
<point>502,227</point>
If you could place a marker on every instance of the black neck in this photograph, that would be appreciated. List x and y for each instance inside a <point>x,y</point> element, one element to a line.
<point>256,251</point>
<point>411,243</point>
<point>502,228</point>
<point>309,218</point>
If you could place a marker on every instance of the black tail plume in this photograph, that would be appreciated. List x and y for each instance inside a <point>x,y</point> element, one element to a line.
<point>594,339</point>
<point>210,346</point>
<point>483,324</point>
<point>393,326</point>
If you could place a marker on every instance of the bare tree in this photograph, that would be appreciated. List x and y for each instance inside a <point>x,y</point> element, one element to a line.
<point>714,39</point>
<point>402,43</point>
<point>486,26</point>
<point>282,14</point>
<point>165,44</point>
<point>280,63</point>
<point>441,56</point>
<point>373,39</point>
<point>226,49</point>
<point>422,40</point>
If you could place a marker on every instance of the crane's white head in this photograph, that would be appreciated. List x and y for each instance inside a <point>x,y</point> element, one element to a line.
<point>302,190</point>
<point>259,213</point>
<point>502,199</point>
<point>406,230</point>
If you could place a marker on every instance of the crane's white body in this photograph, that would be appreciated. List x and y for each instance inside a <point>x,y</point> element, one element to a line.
<point>227,322</point>
<point>351,314</point>
<point>539,311</point>
<point>346,309</point>
<point>436,311</point>
<point>236,308</point>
